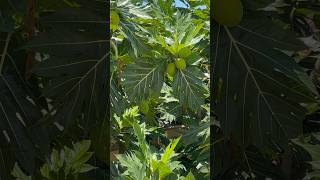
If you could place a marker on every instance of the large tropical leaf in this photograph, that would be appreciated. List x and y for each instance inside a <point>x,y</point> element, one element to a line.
<point>117,100</point>
<point>75,40</point>
<point>259,89</point>
<point>128,30</point>
<point>20,140</point>
<point>15,110</point>
<point>133,9</point>
<point>129,11</point>
<point>189,88</point>
<point>142,79</point>
<point>261,166</point>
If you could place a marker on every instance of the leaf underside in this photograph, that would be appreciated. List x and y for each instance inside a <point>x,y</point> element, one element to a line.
<point>77,66</point>
<point>17,114</point>
<point>259,89</point>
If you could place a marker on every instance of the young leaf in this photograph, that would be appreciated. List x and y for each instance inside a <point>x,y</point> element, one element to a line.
<point>190,176</point>
<point>164,169</point>
<point>86,168</point>
<point>135,169</point>
<point>19,174</point>
<point>45,171</point>
<point>139,131</point>
<point>169,150</point>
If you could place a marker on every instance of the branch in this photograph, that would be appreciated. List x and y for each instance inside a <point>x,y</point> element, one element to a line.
<point>30,30</point>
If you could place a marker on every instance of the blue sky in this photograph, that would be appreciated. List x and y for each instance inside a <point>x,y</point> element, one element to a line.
<point>179,3</point>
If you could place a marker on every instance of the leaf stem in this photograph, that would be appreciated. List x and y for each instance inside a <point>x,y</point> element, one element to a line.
<point>115,49</point>
<point>4,53</point>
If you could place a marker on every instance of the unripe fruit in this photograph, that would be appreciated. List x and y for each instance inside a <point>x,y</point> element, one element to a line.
<point>180,64</point>
<point>228,12</point>
<point>184,52</point>
<point>114,20</point>
<point>144,107</point>
<point>171,69</point>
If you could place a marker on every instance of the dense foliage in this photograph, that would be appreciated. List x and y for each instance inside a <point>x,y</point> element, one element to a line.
<point>159,90</point>
<point>233,82</point>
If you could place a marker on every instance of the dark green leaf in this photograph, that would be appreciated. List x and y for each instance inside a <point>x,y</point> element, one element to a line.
<point>77,65</point>
<point>256,4</point>
<point>261,87</point>
<point>189,88</point>
<point>141,79</point>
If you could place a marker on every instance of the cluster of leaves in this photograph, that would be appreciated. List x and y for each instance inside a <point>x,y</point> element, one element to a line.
<point>66,164</point>
<point>144,164</point>
<point>159,89</point>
